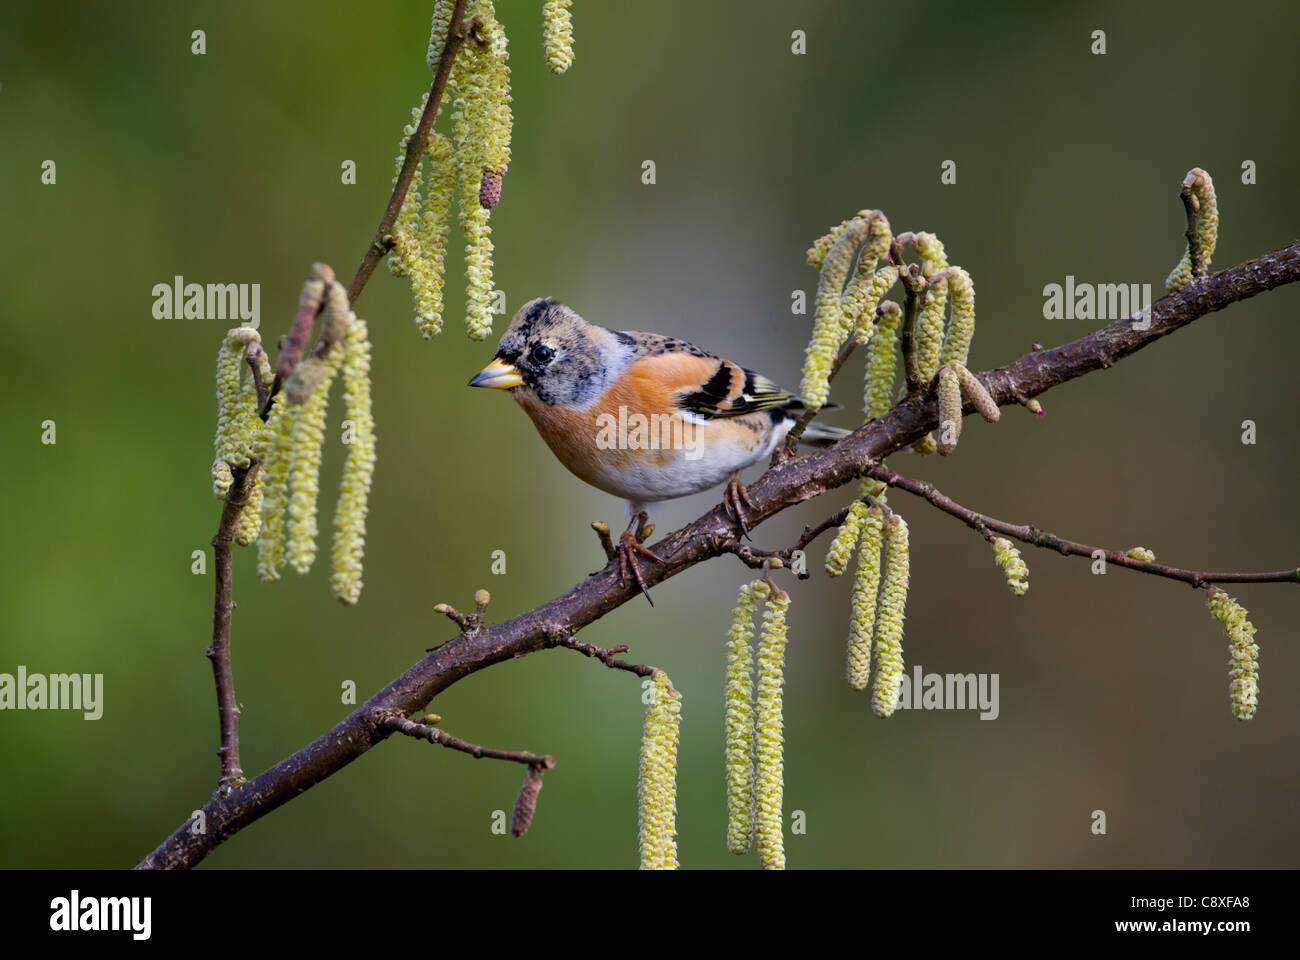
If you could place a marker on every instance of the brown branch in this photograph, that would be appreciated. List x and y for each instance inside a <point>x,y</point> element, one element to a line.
<point>415,148</point>
<point>422,731</point>
<point>987,526</point>
<point>782,487</point>
<point>223,545</point>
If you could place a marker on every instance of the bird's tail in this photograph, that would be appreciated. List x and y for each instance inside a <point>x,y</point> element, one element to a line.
<point>821,435</point>
<point>816,434</point>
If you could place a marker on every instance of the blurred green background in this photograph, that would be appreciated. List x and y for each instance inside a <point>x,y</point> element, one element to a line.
<point>226,168</point>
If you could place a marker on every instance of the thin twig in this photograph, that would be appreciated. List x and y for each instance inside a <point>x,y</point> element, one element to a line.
<point>606,542</point>
<point>252,358</point>
<point>987,526</point>
<point>913,285</point>
<point>455,616</point>
<point>1194,252</point>
<point>415,148</point>
<point>605,655</point>
<point>758,558</point>
<point>223,544</point>
<point>421,731</point>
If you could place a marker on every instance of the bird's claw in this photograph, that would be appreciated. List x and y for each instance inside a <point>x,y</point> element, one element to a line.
<point>628,548</point>
<point>734,501</point>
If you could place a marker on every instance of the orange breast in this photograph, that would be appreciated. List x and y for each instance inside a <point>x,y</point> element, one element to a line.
<point>593,443</point>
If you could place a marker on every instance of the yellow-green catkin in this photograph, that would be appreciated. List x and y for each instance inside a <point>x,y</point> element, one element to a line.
<point>1013,565</point>
<point>841,549</point>
<point>1243,654</point>
<point>973,389</point>
<point>439,171</point>
<point>438,30</point>
<point>481,125</point>
<point>1141,553</point>
<point>866,587</point>
<point>769,774</point>
<point>249,524</point>
<point>888,653</point>
<point>557,35</point>
<point>949,410</point>
<point>864,313</point>
<point>934,300</point>
<point>358,470</point>
<point>478,258</point>
<point>304,467</point>
<point>864,289</point>
<point>272,449</point>
<point>829,331</point>
<point>221,479</point>
<point>961,325</point>
<point>1206,208</point>
<point>405,255</point>
<point>237,420</point>
<point>657,785</point>
<point>882,359</point>
<point>739,720</point>
<point>822,245</point>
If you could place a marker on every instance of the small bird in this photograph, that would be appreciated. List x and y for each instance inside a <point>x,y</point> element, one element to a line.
<point>639,415</point>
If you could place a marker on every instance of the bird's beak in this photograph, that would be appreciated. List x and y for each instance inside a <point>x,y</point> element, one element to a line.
<point>498,375</point>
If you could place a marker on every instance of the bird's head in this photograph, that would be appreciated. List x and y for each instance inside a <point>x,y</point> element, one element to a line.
<point>553,353</point>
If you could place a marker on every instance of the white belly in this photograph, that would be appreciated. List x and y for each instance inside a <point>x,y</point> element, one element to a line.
<point>684,472</point>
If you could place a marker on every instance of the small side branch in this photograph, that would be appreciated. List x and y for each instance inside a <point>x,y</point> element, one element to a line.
<point>422,731</point>
<point>223,545</point>
<point>913,285</point>
<point>1195,252</point>
<point>606,656</point>
<point>987,526</point>
<point>760,559</point>
<point>253,359</point>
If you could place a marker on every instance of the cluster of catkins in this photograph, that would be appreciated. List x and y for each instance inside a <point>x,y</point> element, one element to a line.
<point>754,726</point>
<point>469,164</point>
<point>850,305</point>
<point>280,514</point>
<point>879,594</point>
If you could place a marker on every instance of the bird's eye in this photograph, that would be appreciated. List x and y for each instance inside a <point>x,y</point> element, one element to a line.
<point>542,353</point>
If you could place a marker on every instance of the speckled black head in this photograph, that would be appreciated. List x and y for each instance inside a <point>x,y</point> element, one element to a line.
<point>560,357</point>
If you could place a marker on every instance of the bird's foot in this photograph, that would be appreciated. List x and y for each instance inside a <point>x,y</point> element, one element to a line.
<point>735,499</point>
<point>629,545</point>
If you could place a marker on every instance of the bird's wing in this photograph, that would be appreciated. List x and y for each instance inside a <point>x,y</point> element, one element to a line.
<point>707,386</point>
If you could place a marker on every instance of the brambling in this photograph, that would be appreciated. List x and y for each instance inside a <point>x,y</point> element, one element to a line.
<point>642,416</point>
